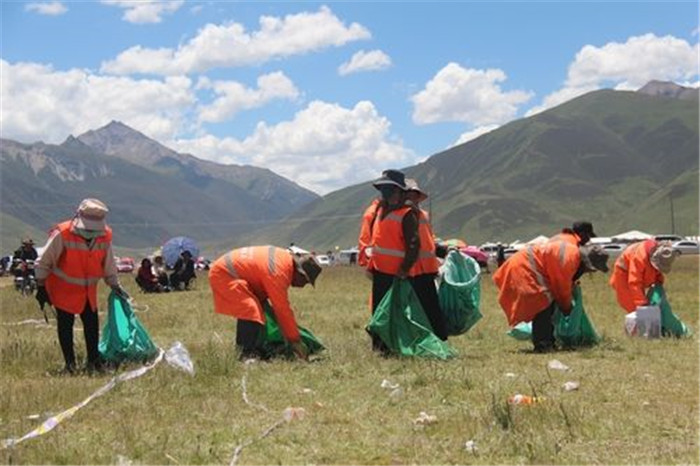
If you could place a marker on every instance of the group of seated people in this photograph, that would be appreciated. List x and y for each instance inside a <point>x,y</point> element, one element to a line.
<point>152,276</point>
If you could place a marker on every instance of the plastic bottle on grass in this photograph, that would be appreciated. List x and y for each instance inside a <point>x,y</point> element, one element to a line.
<point>178,356</point>
<point>525,399</point>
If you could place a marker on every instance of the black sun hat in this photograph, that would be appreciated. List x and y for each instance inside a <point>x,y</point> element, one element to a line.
<point>391,177</point>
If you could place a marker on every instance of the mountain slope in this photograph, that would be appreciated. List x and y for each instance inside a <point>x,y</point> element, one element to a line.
<point>616,158</point>
<point>280,195</point>
<point>43,183</point>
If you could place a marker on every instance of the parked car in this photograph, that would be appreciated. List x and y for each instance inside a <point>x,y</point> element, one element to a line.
<point>125,264</point>
<point>323,259</point>
<point>613,249</point>
<point>686,247</point>
<point>671,238</point>
<point>477,254</point>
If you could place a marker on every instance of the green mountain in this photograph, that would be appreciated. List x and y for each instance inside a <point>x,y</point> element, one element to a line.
<point>619,159</point>
<point>165,194</point>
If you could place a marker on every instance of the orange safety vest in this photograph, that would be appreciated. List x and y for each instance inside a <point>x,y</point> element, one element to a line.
<point>572,238</point>
<point>388,243</point>
<point>242,279</point>
<point>633,274</point>
<point>533,277</point>
<point>427,262</point>
<point>74,278</point>
<point>365,238</point>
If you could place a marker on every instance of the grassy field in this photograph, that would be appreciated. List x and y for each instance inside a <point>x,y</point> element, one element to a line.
<point>637,402</point>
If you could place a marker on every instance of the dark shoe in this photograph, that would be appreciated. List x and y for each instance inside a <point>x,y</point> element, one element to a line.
<point>95,368</point>
<point>544,348</point>
<point>69,369</point>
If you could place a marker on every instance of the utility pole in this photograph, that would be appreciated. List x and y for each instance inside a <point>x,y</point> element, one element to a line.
<point>673,220</point>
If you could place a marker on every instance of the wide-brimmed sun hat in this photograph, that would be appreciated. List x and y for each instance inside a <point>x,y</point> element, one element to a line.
<point>91,215</point>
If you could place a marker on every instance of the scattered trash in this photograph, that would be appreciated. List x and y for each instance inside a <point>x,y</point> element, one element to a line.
<point>557,365</point>
<point>570,385</point>
<point>388,384</point>
<point>425,419</point>
<point>470,446</point>
<point>396,393</point>
<point>509,374</point>
<point>34,416</point>
<point>519,399</point>
<point>306,390</point>
<point>178,357</point>
<point>645,403</point>
<point>290,414</point>
<point>318,404</point>
<point>123,461</point>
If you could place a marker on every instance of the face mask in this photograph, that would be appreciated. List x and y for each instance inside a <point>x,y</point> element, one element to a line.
<point>89,234</point>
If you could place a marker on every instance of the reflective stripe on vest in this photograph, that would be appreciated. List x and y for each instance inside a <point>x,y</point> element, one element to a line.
<point>228,261</point>
<point>75,280</point>
<point>82,246</point>
<point>271,260</point>
<point>538,275</point>
<point>388,242</point>
<point>245,253</point>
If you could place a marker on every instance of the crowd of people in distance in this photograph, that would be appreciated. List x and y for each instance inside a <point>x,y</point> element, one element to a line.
<point>152,276</point>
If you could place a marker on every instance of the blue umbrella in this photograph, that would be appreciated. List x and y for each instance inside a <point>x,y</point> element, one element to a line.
<point>175,246</point>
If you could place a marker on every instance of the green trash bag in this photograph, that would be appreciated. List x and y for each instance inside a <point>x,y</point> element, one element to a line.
<point>460,292</point>
<point>576,329</point>
<point>522,331</point>
<point>671,324</point>
<point>274,342</point>
<point>123,337</point>
<point>570,331</point>
<point>402,325</point>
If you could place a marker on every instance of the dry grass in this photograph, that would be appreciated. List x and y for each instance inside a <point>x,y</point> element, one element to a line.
<point>637,402</point>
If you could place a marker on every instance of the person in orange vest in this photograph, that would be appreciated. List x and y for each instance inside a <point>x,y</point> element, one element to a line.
<point>242,279</point>
<point>424,272</point>
<point>363,242</point>
<point>76,257</point>
<point>640,266</point>
<point>579,234</point>
<point>539,278</point>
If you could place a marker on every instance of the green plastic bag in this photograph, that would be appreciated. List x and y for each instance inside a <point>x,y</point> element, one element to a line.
<point>570,331</point>
<point>671,324</point>
<point>274,342</point>
<point>522,331</point>
<point>576,329</point>
<point>460,292</point>
<point>123,337</point>
<point>402,325</point>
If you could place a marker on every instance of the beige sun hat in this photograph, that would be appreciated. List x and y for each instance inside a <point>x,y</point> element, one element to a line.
<point>412,187</point>
<point>662,257</point>
<point>91,215</point>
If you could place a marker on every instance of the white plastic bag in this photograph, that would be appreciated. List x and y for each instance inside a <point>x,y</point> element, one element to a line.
<point>178,357</point>
<point>645,322</point>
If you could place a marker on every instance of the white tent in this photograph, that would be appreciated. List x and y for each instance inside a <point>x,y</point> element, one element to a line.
<point>297,250</point>
<point>631,236</point>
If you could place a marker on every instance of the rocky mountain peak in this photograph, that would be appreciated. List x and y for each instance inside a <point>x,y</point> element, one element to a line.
<point>668,89</point>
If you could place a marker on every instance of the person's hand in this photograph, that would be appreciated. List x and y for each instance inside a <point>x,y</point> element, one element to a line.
<point>121,292</point>
<point>301,350</point>
<point>566,312</point>
<point>401,274</point>
<point>42,296</point>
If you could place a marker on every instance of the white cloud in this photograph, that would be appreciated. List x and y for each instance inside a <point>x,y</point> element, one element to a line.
<point>47,8</point>
<point>373,60</point>
<point>627,65</point>
<point>234,97</point>
<point>39,103</point>
<point>466,95</point>
<point>325,147</point>
<point>145,11</point>
<point>229,45</point>
<point>473,134</point>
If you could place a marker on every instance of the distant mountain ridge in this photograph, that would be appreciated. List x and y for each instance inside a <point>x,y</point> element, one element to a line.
<point>618,158</point>
<point>153,192</point>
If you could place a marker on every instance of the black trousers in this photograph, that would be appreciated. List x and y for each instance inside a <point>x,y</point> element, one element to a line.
<point>91,330</point>
<point>543,329</point>
<point>249,335</point>
<point>381,282</point>
<point>424,286</point>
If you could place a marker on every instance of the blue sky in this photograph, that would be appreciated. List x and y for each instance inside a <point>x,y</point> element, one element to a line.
<point>327,94</point>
